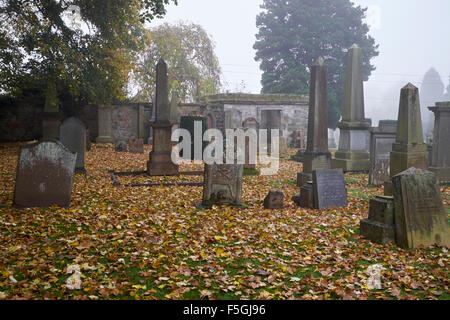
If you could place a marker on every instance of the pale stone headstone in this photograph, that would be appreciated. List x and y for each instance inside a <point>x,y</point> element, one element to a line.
<point>44,175</point>
<point>72,133</point>
<point>316,155</point>
<point>222,184</point>
<point>440,161</point>
<point>136,146</point>
<point>381,140</point>
<point>274,200</point>
<point>420,217</point>
<point>354,140</point>
<point>105,125</point>
<point>329,188</point>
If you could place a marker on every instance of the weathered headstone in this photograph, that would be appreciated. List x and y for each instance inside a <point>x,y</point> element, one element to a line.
<point>307,195</point>
<point>222,184</point>
<point>136,146</point>
<point>329,188</point>
<point>381,140</point>
<point>88,140</point>
<point>121,146</point>
<point>274,200</point>
<point>408,150</point>
<point>72,133</point>
<point>44,175</point>
<point>420,217</point>
<point>440,161</point>
<point>353,152</point>
<point>105,125</point>
<point>379,227</point>
<point>316,155</point>
<point>160,162</point>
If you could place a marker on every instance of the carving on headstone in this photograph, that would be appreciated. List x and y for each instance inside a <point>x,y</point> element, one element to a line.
<point>222,184</point>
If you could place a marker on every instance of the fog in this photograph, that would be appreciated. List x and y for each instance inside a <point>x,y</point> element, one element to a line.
<point>412,34</point>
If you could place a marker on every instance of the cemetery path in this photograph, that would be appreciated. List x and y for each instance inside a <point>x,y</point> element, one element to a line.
<point>118,242</point>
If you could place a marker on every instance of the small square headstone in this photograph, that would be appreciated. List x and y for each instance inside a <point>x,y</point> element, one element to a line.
<point>274,200</point>
<point>222,184</point>
<point>329,188</point>
<point>136,146</point>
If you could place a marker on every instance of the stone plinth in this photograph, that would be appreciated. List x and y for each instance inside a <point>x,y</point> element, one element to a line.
<point>381,140</point>
<point>440,160</point>
<point>160,163</point>
<point>379,227</point>
<point>104,125</point>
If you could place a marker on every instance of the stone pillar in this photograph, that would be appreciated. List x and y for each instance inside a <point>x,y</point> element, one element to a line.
<point>104,125</point>
<point>160,162</point>
<point>440,161</point>
<point>409,150</point>
<point>381,140</point>
<point>354,142</point>
<point>316,155</point>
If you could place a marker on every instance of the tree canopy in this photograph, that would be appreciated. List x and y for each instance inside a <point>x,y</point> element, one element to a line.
<point>193,68</point>
<point>295,33</point>
<point>40,49</point>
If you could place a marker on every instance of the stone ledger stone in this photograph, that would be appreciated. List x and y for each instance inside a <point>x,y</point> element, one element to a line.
<point>222,184</point>
<point>73,136</point>
<point>420,217</point>
<point>329,188</point>
<point>381,140</point>
<point>440,161</point>
<point>274,200</point>
<point>44,175</point>
<point>316,155</point>
<point>379,227</point>
<point>354,141</point>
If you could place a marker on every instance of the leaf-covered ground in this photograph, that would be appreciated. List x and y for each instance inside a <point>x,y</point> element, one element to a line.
<point>152,243</point>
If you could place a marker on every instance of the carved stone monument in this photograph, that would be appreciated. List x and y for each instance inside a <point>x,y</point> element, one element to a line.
<point>379,227</point>
<point>222,184</point>
<point>44,175</point>
<point>329,188</point>
<point>104,125</point>
<point>440,161</point>
<point>160,163</point>
<point>353,152</point>
<point>381,140</point>
<point>316,155</point>
<point>72,133</point>
<point>274,200</point>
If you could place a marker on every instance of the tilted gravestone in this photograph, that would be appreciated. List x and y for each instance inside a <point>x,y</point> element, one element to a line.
<point>222,184</point>
<point>440,161</point>
<point>381,140</point>
<point>72,133</point>
<point>420,217</point>
<point>136,146</point>
<point>329,188</point>
<point>274,200</point>
<point>44,175</point>
<point>316,155</point>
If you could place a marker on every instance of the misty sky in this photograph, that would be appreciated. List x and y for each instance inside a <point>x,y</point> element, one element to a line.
<point>413,36</point>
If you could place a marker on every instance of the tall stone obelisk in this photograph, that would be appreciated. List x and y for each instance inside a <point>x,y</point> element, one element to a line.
<point>316,155</point>
<point>160,163</point>
<point>354,142</point>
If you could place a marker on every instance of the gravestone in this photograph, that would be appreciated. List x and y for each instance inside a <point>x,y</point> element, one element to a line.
<point>72,133</point>
<point>420,217</point>
<point>222,184</point>
<point>88,140</point>
<point>329,188</point>
<point>44,175</point>
<point>121,146</point>
<point>381,140</point>
<point>440,161</point>
<point>354,140</point>
<point>105,125</point>
<point>160,158</point>
<point>379,227</point>
<point>408,150</point>
<point>307,195</point>
<point>274,200</point>
<point>316,155</point>
<point>136,146</point>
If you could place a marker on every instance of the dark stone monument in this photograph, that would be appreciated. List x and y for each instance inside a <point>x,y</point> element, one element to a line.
<point>222,184</point>
<point>306,199</point>
<point>379,227</point>
<point>420,217</point>
<point>381,140</point>
<point>353,152</point>
<point>408,150</point>
<point>274,200</point>
<point>316,155</point>
<point>440,161</point>
<point>72,133</point>
<point>44,175</point>
<point>136,146</point>
<point>104,125</point>
<point>329,188</point>
<point>160,162</point>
